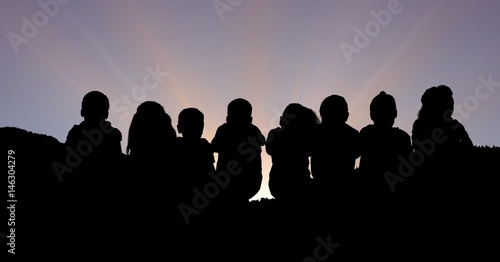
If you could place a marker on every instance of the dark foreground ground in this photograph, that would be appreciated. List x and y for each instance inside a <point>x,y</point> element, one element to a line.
<point>456,219</point>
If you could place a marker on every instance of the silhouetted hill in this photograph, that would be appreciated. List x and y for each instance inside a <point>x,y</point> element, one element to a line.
<point>36,187</point>
<point>269,230</point>
<point>35,153</point>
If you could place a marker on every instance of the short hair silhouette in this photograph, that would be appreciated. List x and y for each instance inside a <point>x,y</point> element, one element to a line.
<point>333,157</point>
<point>92,178</point>
<point>336,144</point>
<point>239,110</point>
<point>106,139</point>
<point>94,110</point>
<point>382,147</point>
<point>231,144</point>
<point>194,163</point>
<point>383,109</point>
<point>190,123</point>
<point>95,106</point>
<point>334,109</point>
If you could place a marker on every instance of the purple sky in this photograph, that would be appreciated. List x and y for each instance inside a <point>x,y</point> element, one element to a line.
<point>271,52</point>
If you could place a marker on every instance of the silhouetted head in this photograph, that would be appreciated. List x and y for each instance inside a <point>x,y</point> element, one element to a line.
<point>334,110</point>
<point>239,111</point>
<point>190,123</point>
<point>383,110</point>
<point>290,113</point>
<point>437,103</point>
<point>310,117</point>
<point>95,107</point>
<point>296,116</point>
<point>151,128</point>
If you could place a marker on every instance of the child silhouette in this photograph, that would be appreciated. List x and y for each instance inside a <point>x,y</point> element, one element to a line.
<point>439,137</point>
<point>151,134</point>
<point>90,190</point>
<point>151,159</point>
<point>436,113</point>
<point>195,166</point>
<point>382,145</point>
<point>290,148</point>
<point>439,188</point>
<point>151,148</point>
<point>195,157</point>
<point>443,141</point>
<point>239,141</point>
<point>96,141</point>
<point>336,147</point>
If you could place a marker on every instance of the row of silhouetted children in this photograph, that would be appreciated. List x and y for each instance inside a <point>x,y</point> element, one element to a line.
<point>161,171</point>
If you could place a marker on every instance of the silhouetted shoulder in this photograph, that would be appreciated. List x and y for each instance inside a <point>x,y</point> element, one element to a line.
<point>205,145</point>
<point>367,132</point>
<point>204,142</point>
<point>275,130</point>
<point>351,130</point>
<point>198,149</point>
<point>367,129</point>
<point>343,129</point>
<point>419,129</point>
<point>272,136</point>
<point>402,138</point>
<point>395,132</point>
<point>457,126</point>
<point>400,133</point>
<point>222,130</point>
<point>228,134</point>
<point>353,135</point>
<point>114,132</point>
<point>255,131</point>
<point>221,133</point>
<point>74,133</point>
<point>417,124</point>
